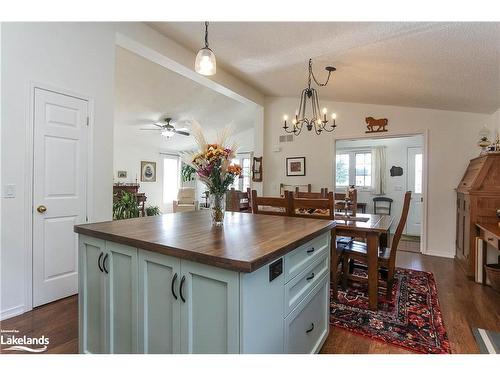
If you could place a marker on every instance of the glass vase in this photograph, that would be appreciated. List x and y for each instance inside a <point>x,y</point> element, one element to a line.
<point>217,208</point>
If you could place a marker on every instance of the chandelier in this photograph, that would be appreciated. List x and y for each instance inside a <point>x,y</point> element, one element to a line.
<point>319,120</point>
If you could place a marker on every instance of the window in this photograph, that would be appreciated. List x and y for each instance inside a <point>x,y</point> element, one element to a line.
<point>244,160</point>
<point>353,168</point>
<point>342,170</point>
<point>364,169</point>
<point>170,179</point>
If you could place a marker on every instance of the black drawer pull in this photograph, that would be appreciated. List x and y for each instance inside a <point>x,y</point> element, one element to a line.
<point>310,277</point>
<point>180,288</point>
<point>99,262</point>
<point>310,329</point>
<point>104,263</point>
<point>311,250</point>
<point>172,285</point>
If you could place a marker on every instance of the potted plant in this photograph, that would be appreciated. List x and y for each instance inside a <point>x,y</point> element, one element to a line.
<point>125,206</point>
<point>153,211</point>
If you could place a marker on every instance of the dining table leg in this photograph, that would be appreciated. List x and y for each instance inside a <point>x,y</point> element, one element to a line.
<point>334,260</point>
<point>372,255</point>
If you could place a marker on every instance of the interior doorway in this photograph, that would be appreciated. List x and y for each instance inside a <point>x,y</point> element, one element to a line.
<point>387,167</point>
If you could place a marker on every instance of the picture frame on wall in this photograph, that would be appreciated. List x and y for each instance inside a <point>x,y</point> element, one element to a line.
<point>148,171</point>
<point>122,174</point>
<point>296,166</point>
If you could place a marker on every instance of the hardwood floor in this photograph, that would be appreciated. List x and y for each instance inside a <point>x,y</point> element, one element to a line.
<point>464,304</point>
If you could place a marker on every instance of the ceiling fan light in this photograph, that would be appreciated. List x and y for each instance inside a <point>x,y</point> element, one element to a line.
<point>205,63</point>
<point>167,133</point>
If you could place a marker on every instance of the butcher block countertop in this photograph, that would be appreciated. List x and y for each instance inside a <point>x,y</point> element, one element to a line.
<point>245,243</point>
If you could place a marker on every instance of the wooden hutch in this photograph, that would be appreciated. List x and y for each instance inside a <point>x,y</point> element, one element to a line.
<point>478,197</point>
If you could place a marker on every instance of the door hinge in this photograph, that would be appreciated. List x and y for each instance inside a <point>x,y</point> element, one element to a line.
<point>88,120</point>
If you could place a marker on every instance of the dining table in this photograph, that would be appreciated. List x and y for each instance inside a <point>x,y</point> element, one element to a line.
<point>375,230</point>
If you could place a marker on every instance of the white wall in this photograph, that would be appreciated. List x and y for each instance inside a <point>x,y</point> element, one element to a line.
<point>396,154</point>
<point>452,142</point>
<point>76,57</point>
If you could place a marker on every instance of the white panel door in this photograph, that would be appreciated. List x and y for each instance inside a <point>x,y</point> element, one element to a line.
<point>415,184</point>
<point>59,192</point>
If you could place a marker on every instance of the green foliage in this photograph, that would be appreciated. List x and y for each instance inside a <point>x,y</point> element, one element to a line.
<point>187,173</point>
<point>153,211</point>
<point>125,206</point>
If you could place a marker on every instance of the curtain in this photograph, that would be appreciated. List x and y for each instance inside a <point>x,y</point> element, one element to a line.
<point>379,181</point>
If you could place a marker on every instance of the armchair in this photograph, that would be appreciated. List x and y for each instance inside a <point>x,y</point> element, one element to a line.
<point>186,200</point>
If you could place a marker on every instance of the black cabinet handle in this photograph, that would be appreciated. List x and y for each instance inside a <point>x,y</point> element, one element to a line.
<point>180,288</point>
<point>172,285</point>
<point>310,329</point>
<point>311,250</point>
<point>104,263</point>
<point>310,277</point>
<point>99,261</point>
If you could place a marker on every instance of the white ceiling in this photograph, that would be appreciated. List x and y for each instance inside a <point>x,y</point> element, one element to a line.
<point>147,92</point>
<point>450,66</point>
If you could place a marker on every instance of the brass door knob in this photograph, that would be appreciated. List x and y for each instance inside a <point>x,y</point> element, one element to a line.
<point>41,209</point>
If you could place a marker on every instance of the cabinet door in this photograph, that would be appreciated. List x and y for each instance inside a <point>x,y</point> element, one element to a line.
<point>210,313</point>
<point>159,303</point>
<point>92,296</point>
<point>121,265</point>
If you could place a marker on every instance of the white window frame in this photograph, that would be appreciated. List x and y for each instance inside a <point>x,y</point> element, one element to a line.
<point>352,167</point>
<point>239,181</point>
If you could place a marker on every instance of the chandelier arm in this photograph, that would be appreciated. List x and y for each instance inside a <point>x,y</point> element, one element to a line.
<point>302,113</point>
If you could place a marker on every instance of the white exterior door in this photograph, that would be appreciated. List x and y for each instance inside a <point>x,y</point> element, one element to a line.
<point>415,184</point>
<point>59,192</point>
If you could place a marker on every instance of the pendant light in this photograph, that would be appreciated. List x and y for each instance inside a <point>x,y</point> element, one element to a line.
<point>205,63</point>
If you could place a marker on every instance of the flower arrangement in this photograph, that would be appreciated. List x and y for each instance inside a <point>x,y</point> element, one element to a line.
<point>212,164</point>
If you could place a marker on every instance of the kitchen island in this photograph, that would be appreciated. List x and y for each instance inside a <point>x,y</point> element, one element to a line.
<point>175,284</point>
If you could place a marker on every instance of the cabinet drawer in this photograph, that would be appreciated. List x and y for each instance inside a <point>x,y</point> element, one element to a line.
<point>300,258</point>
<point>301,285</point>
<point>306,327</point>
<point>491,239</point>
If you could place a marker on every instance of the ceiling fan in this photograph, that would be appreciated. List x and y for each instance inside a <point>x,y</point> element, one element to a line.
<point>168,130</point>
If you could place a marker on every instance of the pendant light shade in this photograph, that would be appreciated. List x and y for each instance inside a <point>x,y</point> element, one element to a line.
<point>205,63</point>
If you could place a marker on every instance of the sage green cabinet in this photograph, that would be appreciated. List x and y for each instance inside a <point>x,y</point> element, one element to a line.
<point>186,307</point>
<point>107,297</point>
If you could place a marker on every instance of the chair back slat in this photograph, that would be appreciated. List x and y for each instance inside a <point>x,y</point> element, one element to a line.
<point>308,195</point>
<point>277,206</point>
<point>400,227</point>
<point>386,208</point>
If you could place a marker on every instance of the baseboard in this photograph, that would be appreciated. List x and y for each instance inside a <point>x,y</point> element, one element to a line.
<point>440,254</point>
<point>10,313</point>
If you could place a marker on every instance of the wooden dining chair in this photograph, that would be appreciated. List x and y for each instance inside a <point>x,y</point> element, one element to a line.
<point>311,206</point>
<point>353,205</point>
<point>238,201</point>
<point>273,205</point>
<point>355,254</point>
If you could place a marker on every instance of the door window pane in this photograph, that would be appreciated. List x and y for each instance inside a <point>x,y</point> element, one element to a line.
<point>418,173</point>
<point>342,170</point>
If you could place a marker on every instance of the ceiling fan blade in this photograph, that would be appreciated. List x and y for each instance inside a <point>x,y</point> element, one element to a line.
<point>159,124</point>
<point>152,129</point>
<point>181,132</point>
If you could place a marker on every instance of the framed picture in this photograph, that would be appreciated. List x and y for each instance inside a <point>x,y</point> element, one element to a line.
<point>148,171</point>
<point>257,169</point>
<point>296,166</point>
<point>122,174</point>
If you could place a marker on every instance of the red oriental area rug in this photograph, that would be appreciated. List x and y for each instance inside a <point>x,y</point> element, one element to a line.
<point>411,320</point>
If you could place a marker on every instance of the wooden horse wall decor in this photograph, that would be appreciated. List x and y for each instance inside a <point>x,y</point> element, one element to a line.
<point>376,125</point>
